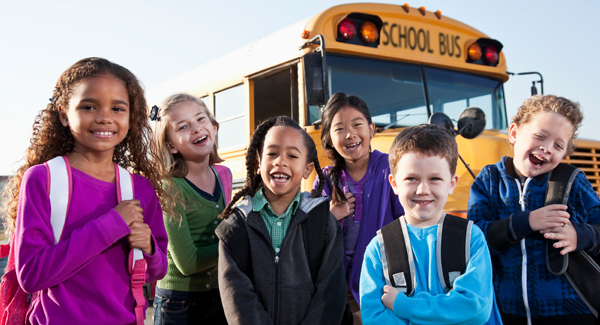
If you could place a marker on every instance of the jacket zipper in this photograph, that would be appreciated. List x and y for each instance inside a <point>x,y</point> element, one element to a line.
<point>524,252</point>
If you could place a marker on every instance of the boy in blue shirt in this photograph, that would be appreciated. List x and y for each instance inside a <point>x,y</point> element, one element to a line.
<point>423,164</point>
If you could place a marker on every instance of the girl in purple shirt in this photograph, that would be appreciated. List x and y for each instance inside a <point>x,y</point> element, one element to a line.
<point>97,118</point>
<point>357,182</point>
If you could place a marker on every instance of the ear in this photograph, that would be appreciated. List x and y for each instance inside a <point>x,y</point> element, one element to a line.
<point>453,183</point>
<point>62,115</point>
<point>308,170</point>
<point>513,129</point>
<point>393,183</point>
<point>372,129</point>
<point>172,149</point>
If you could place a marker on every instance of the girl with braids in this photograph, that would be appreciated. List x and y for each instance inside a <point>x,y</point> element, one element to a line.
<point>361,197</point>
<point>265,275</point>
<point>96,119</point>
<point>185,134</point>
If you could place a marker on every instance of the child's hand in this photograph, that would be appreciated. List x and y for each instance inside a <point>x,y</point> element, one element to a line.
<point>566,236</point>
<point>341,211</point>
<point>140,237</point>
<point>130,211</point>
<point>551,216</point>
<point>389,296</point>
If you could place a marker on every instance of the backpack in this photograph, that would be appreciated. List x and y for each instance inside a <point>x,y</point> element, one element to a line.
<point>15,303</point>
<point>453,236</point>
<point>581,270</point>
<point>225,177</point>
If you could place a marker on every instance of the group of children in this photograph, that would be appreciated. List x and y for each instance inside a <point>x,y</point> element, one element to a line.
<point>369,234</point>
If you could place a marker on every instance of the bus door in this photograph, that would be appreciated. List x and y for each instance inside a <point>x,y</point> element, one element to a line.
<point>275,94</point>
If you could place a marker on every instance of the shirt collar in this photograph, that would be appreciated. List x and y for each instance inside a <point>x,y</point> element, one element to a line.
<point>259,202</point>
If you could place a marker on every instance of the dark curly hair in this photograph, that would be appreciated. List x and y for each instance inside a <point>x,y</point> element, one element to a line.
<point>51,139</point>
<point>336,103</point>
<point>255,149</point>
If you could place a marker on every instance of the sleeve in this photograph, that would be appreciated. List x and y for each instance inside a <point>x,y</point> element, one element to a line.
<point>188,257</point>
<point>153,217</point>
<point>40,263</point>
<point>469,302</point>
<point>329,299</point>
<point>372,281</point>
<point>240,302</point>
<point>483,212</point>
<point>586,203</point>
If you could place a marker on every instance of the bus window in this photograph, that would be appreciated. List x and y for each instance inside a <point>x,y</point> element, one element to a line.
<point>229,112</point>
<point>393,91</point>
<point>276,94</point>
<point>451,92</point>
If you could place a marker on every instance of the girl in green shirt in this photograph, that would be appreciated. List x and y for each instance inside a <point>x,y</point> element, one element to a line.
<point>185,133</point>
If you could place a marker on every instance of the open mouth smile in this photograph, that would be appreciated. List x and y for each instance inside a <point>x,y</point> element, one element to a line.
<point>353,146</point>
<point>200,140</point>
<point>537,161</point>
<point>103,134</point>
<point>280,178</point>
<point>422,203</point>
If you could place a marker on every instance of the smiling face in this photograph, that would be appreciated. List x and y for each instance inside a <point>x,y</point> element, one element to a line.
<point>540,144</point>
<point>351,134</point>
<point>283,163</point>
<point>190,132</point>
<point>423,184</point>
<point>97,115</point>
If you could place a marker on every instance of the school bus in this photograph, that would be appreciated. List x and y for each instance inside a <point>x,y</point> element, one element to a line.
<point>406,63</point>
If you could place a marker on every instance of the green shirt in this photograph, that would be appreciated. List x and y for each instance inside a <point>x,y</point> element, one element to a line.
<point>276,225</point>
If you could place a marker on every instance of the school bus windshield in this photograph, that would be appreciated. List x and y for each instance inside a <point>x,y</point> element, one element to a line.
<point>400,93</point>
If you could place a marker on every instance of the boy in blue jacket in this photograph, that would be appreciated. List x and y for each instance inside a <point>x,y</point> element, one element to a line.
<point>423,164</point>
<point>507,202</point>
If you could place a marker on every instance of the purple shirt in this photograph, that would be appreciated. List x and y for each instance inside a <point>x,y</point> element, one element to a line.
<point>379,206</point>
<point>83,279</point>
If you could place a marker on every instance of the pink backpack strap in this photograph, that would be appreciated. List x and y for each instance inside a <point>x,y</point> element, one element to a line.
<point>225,177</point>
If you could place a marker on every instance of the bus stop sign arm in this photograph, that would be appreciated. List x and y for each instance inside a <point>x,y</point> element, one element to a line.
<point>533,88</point>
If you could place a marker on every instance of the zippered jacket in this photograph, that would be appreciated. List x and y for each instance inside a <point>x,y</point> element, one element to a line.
<point>280,290</point>
<point>518,254</point>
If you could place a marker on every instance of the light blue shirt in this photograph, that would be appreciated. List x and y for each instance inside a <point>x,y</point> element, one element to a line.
<point>471,301</point>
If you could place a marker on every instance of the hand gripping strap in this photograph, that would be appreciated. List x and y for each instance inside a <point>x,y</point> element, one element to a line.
<point>137,263</point>
<point>59,188</point>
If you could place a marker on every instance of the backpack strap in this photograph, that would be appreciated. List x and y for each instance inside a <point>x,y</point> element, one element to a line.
<point>136,262</point>
<point>314,232</point>
<point>453,236</point>
<point>233,236</point>
<point>397,256</point>
<point>225,178</point>
<point>60,184</point>
<point>560,181</point>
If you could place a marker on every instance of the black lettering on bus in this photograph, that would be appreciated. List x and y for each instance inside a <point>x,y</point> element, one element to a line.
<point>424,43</point>
<point>401,36</point>
<point>442,44</point>
<point>458,53</point>
<point>385,33</point>
<point>429,50</point>
<point>450,45</point>
<point>392,35</point>
<point>412,36</point>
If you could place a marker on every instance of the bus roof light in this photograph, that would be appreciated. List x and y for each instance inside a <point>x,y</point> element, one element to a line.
<point>305,34</point>
<point>347,29</point>
<point>490,54</point>
<point>438,14</point>
<point>406,7</point>
<point>474,52</point>
<point>422,10</point>
<point>369,32</point>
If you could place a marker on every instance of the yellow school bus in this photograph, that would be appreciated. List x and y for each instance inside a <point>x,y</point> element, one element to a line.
<point>406,63</point>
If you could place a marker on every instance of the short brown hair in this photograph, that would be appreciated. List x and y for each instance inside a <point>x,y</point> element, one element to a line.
<point>425,139</point>
<point>551,104</point>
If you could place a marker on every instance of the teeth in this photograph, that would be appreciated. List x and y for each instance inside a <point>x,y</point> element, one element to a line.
<point>103,133</point>
<point>538,157</point>
<point>280,176</point>
<point>204,137</point>
<point>353,145</point>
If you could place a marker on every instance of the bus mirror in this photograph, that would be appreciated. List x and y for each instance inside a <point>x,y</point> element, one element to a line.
<point>315,79</point>
<point>441,119</point>
<point>471,122</point>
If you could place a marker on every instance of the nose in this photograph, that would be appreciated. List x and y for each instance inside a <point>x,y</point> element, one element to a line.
<point>423,188</point>
<point>280,161</point>
<point>104,116</point>
<point>546,149</point>
<point>349,135</point>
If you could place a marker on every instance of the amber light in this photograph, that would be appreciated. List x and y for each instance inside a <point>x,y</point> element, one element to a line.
<point>347,29</point>
<point>369,32</point>
<point>490,54</point>
<point>474,52</point>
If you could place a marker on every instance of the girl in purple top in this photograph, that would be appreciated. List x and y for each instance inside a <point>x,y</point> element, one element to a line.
<point>357,182</point>
<point>97,118</point>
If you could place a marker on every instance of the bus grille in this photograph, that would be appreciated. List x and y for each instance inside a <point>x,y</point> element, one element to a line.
<point>588,160</point>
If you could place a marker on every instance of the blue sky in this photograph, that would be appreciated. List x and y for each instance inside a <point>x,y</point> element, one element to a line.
<point>158,40</point>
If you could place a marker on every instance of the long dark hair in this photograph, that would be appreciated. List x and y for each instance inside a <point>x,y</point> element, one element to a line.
<point>336,103</point>
<point>253,180</point>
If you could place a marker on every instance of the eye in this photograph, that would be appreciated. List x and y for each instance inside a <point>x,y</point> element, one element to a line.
<point>410,179</point>
<point>338,129</point>
<point>200,118</point>
<point>118,109</point>
<point>559,146</point>
<point>540,136</point>
<point>87,107</point>
<point>436,179</point>
<point>293,156</point>
<point>357,124</point>
<point>182,127</point>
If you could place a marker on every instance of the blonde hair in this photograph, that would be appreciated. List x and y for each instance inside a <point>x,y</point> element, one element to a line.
<point>552,104</point>
<point>173,165</point>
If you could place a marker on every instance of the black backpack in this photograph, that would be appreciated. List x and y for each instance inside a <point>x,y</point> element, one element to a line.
<point>454,236</point>
<point>581,270</point>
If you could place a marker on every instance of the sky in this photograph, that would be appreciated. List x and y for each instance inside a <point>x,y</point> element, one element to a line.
<point>158,40</point>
